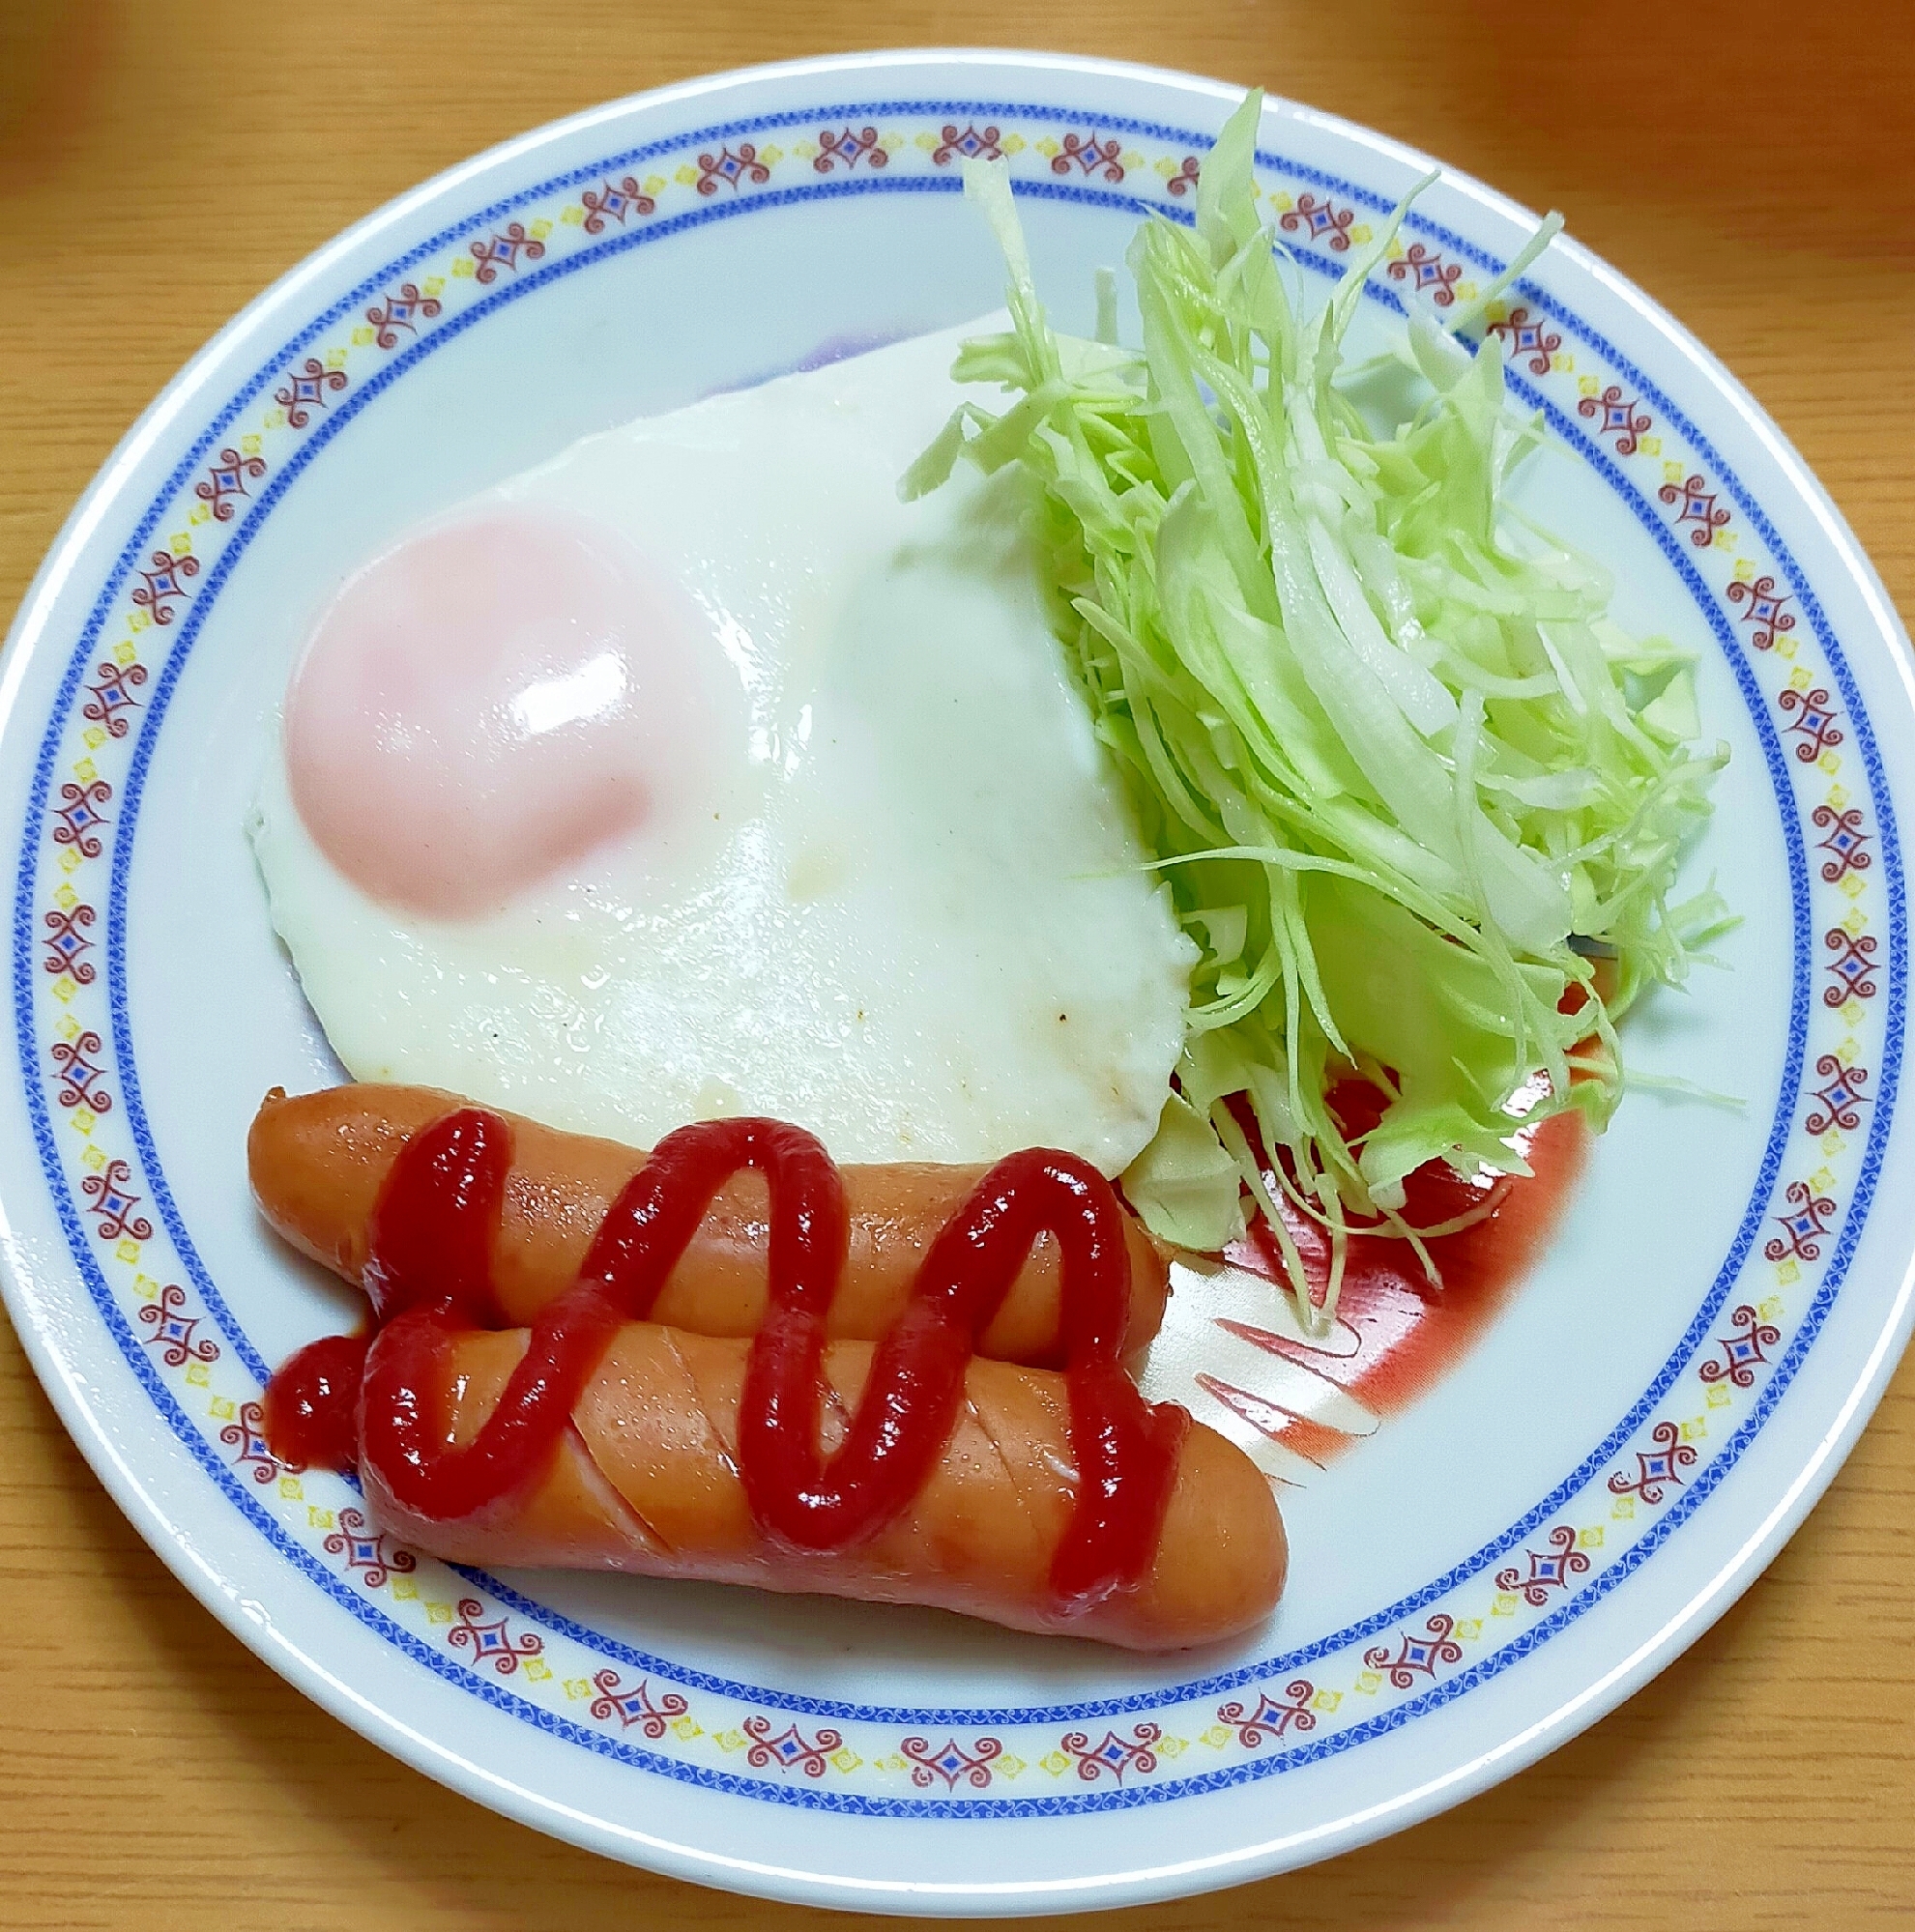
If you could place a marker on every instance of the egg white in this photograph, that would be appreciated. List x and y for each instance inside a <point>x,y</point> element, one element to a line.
<point>907,910</point>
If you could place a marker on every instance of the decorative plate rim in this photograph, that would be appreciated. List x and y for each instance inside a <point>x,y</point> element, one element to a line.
<point>74,542</point>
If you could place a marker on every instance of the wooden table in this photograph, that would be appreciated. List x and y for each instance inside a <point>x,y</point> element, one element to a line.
<point>160,162</point>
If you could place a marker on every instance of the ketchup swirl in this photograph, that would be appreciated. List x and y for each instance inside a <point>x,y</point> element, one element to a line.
<point>429,1277</point>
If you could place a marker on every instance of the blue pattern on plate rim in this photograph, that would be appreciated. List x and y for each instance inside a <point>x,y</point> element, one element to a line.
<point>1118,1754</point>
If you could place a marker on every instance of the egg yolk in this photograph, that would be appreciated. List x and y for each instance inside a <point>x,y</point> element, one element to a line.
<point>487,703</point>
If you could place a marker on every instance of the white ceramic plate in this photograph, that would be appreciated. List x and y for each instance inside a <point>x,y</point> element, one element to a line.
<point>1487,1571</point>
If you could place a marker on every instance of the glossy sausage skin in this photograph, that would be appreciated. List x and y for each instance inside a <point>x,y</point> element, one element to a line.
<point>318,1160</point>
<point>648,1481</point>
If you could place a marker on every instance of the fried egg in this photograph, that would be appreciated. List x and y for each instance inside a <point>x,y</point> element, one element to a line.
<point>693,774</point>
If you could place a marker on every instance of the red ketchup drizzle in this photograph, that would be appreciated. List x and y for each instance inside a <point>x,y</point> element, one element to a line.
<point>428,1276</point>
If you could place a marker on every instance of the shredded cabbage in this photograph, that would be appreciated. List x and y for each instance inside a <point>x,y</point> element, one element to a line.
<point>1406,780</point>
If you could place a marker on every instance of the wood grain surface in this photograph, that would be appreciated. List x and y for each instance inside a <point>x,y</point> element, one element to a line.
<point>160,162</point>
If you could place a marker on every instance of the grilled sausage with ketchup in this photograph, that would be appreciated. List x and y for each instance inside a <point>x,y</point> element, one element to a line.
<point>904,1468</point>
<point>647,1480</point>
<point>319,1160</point>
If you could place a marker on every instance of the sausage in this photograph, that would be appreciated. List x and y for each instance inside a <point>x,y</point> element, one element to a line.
<point>318,1160</point>
<point>647,1481</point>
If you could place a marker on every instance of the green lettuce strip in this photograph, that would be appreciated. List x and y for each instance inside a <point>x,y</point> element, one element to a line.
<point>1406,780</point>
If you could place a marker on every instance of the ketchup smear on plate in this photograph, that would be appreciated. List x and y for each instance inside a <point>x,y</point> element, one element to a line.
<point>346,1399</point>
<point>1408,1331</point>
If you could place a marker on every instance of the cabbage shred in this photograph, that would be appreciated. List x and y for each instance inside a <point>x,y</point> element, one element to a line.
<point>1405,779</point>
